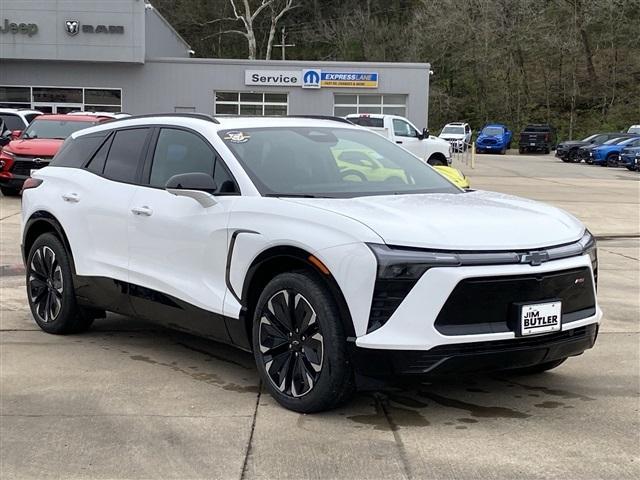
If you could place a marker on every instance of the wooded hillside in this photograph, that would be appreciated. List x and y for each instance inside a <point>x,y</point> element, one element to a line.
<point>573,63</point>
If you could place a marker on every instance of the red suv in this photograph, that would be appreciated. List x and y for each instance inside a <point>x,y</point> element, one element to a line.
<point>36,145</point>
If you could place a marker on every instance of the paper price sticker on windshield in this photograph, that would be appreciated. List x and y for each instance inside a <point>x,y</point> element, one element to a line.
<point>237,137</point>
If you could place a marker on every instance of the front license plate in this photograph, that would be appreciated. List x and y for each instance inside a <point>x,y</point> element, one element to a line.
<point>538,318</point>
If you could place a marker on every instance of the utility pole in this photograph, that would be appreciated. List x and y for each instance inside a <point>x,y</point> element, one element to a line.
<point>283,43</point>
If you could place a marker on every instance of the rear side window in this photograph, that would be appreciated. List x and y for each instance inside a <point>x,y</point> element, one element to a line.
<point>76,152</point>
<point>125,155</point>
<point>12,122</point>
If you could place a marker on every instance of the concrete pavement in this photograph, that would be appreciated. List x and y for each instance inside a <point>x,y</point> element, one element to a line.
<point>130,400</point>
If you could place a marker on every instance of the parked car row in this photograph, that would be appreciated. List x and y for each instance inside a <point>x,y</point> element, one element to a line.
<point>29,140</point>
<point>609,149</point>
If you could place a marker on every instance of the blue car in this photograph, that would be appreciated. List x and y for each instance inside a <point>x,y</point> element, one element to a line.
<point>608,154</point>
<point>494,137</point>
<point>630,158</point>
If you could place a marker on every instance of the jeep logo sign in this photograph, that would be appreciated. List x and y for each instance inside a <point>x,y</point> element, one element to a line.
<point>29,29</point>
<point>73,27</point>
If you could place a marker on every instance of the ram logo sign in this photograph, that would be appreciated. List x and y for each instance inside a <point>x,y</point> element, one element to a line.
<point>311,78</point>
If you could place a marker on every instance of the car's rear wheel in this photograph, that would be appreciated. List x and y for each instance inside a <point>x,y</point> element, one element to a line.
<point>611,161</point>
<point>9,192</point>
<point>299,344</point>
<point>539,368</point>
<point>50,288</point>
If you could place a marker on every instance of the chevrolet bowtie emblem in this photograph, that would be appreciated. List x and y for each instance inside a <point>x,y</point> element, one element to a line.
<point>534,258</point>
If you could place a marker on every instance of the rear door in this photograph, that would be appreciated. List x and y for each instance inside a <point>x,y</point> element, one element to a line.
<point>96,202</point>
<point>178,248</point>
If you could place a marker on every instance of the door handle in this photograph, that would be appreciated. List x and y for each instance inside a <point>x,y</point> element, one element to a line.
<point>398,141</point>
<point>71,197</point>
<point>142,211</point>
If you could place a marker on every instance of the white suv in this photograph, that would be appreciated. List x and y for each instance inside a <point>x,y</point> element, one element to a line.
<point>458,134</point>
<point>254,232</point>
<point>16,118</point>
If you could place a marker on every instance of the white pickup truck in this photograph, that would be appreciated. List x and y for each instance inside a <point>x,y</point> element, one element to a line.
<point>433,150</point>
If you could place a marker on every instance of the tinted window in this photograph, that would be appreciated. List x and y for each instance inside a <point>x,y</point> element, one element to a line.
<point>12,122</point>
<point>178,151</point>
<point>96,165</point>
<point>367,121</point>
<point>223,178</point>
<point>125,154</point>
<point>75,153</point>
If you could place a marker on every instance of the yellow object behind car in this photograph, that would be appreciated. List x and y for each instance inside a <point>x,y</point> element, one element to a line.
<point>454,175</point>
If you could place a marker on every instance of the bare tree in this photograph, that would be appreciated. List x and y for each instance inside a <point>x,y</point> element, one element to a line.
<point>247,15</point>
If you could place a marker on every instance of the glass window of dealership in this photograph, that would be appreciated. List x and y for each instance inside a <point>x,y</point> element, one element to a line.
<point>62,100</point>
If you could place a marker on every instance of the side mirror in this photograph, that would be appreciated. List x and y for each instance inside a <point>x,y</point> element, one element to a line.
<point>425,133</point>
<point>15,134</point>
<point>198,186</point>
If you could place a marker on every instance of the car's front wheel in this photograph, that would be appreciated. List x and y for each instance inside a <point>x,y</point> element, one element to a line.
<point>299,344</point>
<point>50,288</point>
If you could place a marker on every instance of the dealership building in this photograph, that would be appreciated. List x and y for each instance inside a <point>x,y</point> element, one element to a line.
<point>59,56</point>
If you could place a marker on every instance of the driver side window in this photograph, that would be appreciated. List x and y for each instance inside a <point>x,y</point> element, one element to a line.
<point>403,129</point>
<point>178,151</point>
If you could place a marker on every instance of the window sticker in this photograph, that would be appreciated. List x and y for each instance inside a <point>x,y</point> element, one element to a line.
<point>237,137</point>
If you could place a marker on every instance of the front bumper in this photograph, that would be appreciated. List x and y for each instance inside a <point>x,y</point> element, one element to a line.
<point>490,148</point>
<point>14,181</point>
<point>415,326</point>
<point>476,356</point>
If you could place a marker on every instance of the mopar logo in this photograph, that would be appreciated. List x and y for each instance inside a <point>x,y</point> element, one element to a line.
<point>311,78</point>
<point>534,258</point>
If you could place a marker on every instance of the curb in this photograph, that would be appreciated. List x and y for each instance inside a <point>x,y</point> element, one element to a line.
<point>11,270</point>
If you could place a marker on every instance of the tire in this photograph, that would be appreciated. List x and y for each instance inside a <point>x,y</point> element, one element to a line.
<point>521,150</point>
<point>630,168</point>
<point>573,157</point>
<point>539,368</point>
<point>434,161</point>
<point>354,173</point>
<point>503,151</point>
<point>311,370</point>
<point>9,192</point>
<point>547,151</point>
<point>611,160</point>
<point>50,290</point>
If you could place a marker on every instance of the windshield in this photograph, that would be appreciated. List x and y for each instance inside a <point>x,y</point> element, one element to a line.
<point>453,130</point>
<point>60,129</point>
<point>589,138</point>
<point>492,131</point>
<point>330,162</point>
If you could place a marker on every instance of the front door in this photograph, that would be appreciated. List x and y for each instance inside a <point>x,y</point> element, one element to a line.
<point>178,248</point>
<point>407,137</point>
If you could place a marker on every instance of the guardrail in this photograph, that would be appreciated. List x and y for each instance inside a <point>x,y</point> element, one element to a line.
<point>465,155</point>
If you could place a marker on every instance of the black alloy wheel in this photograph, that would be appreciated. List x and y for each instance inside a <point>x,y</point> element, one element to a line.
<point>299,343</point>
<point>291,343</point>
<point>45,284</point>
<point>50,289</point>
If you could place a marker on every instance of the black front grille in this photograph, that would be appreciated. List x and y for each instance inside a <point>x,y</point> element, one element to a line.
<point>486,304</point>
<point>488,141</point>
<point>387,296</point>
<point>24,165</point>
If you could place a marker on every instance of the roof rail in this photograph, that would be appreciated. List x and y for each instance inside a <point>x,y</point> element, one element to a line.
<point>200,116</point>
<point>323,117</point>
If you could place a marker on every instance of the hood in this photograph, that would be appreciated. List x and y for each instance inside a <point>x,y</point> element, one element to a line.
<point>46,147</point>
<point>466,221</point>
<point>452,136</point>
<point>573,143</point>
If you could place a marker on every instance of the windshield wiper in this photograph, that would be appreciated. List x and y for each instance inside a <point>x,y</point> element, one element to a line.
<point>294,195</point>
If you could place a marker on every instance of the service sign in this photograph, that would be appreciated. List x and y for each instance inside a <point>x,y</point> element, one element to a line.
<point>349,80</point>
<point>272,78</point>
